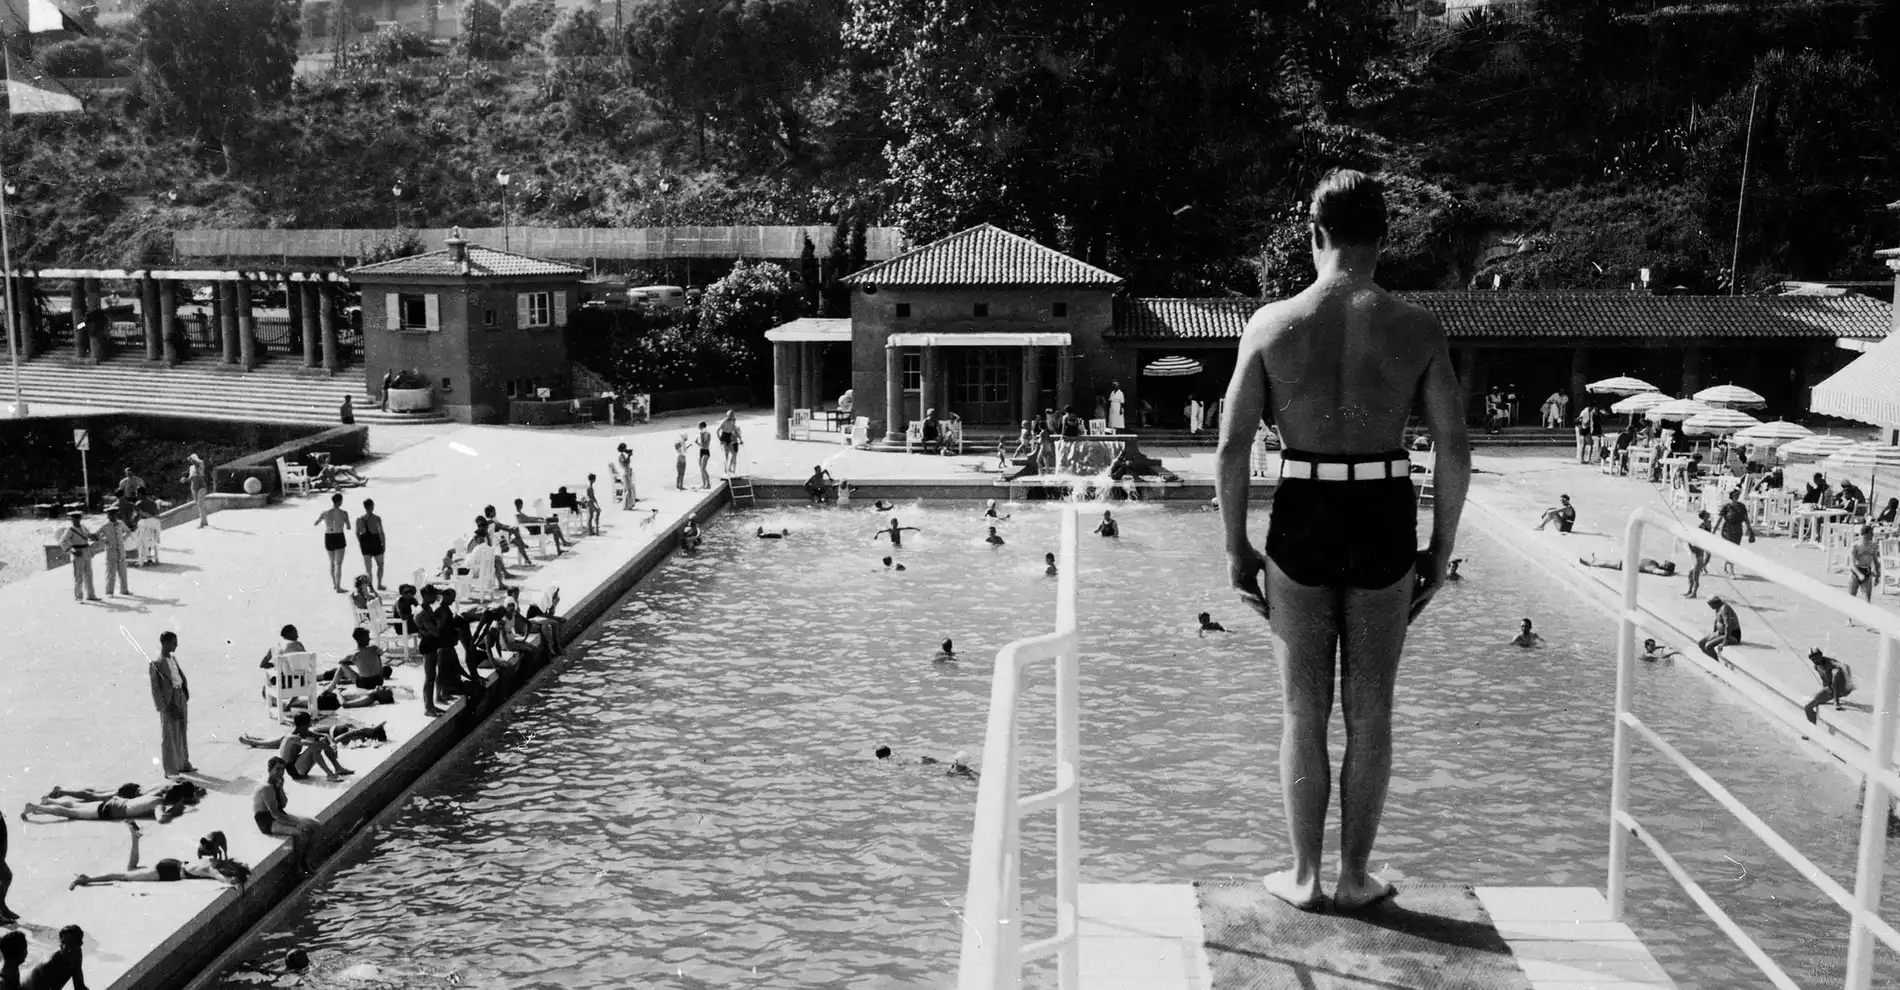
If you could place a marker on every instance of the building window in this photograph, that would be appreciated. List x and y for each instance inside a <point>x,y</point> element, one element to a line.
<point>446,387</point>
<point>534,309</point>
<point>903,311</point>
<point>488,317</point>
<point>415,312</point>
<point>982,309</point>
<point>913,372</point>
<point>1059,309</point>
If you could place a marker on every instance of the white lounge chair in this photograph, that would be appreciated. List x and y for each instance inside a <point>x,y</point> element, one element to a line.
<point>294,477</point>
<point>292,678</point>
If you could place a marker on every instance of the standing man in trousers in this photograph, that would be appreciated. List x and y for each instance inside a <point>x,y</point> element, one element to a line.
<point>1340,367</point>
<point>78,542</point>
<point>170,695</point>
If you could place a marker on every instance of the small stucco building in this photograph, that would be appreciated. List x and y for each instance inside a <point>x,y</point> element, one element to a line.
<point>483,327</point>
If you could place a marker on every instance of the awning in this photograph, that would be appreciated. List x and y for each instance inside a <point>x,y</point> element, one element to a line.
<point>812,329</point>
<point>978,340</point>
<point>1868,389</point>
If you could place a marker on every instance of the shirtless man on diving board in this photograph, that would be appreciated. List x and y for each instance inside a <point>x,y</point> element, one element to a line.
<point>1337,369</point>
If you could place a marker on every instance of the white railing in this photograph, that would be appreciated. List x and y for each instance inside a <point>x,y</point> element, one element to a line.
<point>993,948</point>
<point>1875,764</point>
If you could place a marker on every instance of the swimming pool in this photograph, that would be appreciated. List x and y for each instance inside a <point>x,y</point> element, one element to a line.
<point>693,802</point>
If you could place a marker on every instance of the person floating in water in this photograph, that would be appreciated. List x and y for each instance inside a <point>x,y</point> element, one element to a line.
<point>882,752</point>
<point>1208,625</point>
<point>1451,571</point>
<point>883,505</point>
<point>1342,569</point>
<point>1647,565</point>
<point>947,653</point>
<point>959,765</point>
<point>1525,637</point>
<point>993,539</point>
<point>989,511</point>
<point>890,565</point>
<point>781,534</point>
<point>1654,651</point>
<point>1049,561</point>
<point>1108,526</point>
<point>895,532</point>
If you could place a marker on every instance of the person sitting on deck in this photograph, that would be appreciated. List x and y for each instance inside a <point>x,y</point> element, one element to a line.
<point>287,643</point>
<point>549,524</point>
<point>933,432</point>
<point>407,599</point>
<point>213,862</point>
<point>1890,514</point>
<point>270,809</point>
<point>1108,527</point>
<point>304,749</point>
<point>163,806</point>
<point>482,537</point>
<point>63,965</point>
<point>1647,565</point>
<point>1851,497</point>
<point>363,668</point>
<point>507,535</point>
<point>1132,463</point>
<point>363,596</point>
<point>1816,492</point>
<point>1727,630</point>
<point>1525,637</point>
<point>993,539</point>
<point>1208,625</point>
<point>1837,682</point>
<point>820,485</point>
<point>1564,515</point>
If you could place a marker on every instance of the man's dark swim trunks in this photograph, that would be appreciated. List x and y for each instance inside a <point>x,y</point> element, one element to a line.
<point>1358,531</point>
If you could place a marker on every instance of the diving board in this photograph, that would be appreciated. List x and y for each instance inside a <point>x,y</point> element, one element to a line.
<point>1226,935</point>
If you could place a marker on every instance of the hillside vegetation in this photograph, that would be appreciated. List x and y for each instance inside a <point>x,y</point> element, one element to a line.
<point>1171,143</point>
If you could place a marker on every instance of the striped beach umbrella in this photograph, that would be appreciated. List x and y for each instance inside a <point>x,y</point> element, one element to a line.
<point>1772,434</point>
<point>1719,422</point>
<point>1813,448</point>
<point>1731,397</point>
<point>1172,366</point>
<point>1641,402</point>
<point>1676,409</point>
<point>1864,460</point>
<point>1620,385</point>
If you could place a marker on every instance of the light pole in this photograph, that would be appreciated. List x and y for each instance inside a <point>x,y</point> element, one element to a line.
<point>396,191</point>
<point>502,177</point>
<point>13,326</point>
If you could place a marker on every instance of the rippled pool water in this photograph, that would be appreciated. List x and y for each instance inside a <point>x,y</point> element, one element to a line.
<point>694,801</point>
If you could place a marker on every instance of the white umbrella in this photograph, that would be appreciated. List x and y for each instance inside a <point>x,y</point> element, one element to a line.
<point>1173,366</point>
<point>1676,409</point>
<point>1777,432</point>
<point>1719,422</point>
<point>1864,460</point>
<point>1640,402</point>
<point>1731,397</point>
<point>1621,385</point>
<point>1813,448</point>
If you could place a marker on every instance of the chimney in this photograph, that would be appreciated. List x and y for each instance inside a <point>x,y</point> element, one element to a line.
<point>1645,279</point>
<point>458,248</point>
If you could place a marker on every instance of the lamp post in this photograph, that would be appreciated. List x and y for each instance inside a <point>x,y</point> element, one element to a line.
<point>396,191</point>
<point>13,326</point>
<point>502,177</point>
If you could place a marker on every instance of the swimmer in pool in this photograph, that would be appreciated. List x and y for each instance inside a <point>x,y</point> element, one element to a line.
<point>1050,560</point>
<point>989,511</point>
<point>1108,526</point>
<point>1525,638</point>
<point>959,765</point>
<point>1654,651</point>
<point>882,752</point>
<point>1208,625</point>
<point>895,532</point>
<point>993,539</point>
<point>889,565</point>
<point>1451,572</point>
<point>947,654</point>
<point>689,535</point>
<point>883,506</point>
<point>781,534</point>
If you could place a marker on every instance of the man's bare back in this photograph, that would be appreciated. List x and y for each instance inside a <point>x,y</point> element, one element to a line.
<point>1344,364</point>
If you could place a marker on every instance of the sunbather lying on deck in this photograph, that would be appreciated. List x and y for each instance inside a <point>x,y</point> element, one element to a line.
<point>163,806</point>
<point>126,790</point>
<point>214,862</point>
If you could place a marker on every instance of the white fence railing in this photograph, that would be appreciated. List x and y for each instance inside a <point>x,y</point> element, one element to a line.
<point>1875,764</point>
<point>993,948</point>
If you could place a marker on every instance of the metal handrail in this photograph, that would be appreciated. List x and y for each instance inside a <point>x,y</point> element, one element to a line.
<point>1876,765</point>
<point>993,948</point>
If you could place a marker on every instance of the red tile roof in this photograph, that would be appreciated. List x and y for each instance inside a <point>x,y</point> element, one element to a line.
<point>983,255</point>
<point>482,263</point>
<point>1558,315</point>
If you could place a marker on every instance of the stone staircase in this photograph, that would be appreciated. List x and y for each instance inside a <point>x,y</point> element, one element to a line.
<point>202,387</point>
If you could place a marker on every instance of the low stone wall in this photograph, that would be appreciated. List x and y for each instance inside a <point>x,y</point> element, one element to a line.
<point>695,398</point>
<point>345,445</point>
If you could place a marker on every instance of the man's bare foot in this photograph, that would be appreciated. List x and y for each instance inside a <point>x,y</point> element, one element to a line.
<point>1359,895</point>
<point>1287,886</point>
<point>78,881</point>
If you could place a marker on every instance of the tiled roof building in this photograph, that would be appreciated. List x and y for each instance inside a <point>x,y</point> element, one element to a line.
<point>482,263</point>
<point>983,255</point>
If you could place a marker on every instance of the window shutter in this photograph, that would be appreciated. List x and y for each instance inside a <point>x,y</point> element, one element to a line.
<point>393,311</point>
<point>560,309</point>
<point>522,316</point>
<point>432,307</point>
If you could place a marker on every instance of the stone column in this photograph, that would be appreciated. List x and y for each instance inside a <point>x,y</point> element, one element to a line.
<point>1691,369</point>
<point>1065,380</point>
<point>814,381</point>
<point>79,311</point>
<point>148,315</point>
<point>1579,379</point>
<point>326,320</point>
<point>168,320</point>
<point>306,296</point>
<point>247,325</point>
<point>927,383</point>
<point>893,394</point>
<point>224,310</point>
<point>782,389</point>
<point>1032,382</point>
<point>293,311</point>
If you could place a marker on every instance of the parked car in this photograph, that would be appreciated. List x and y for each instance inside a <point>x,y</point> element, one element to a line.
<point>657,297</point>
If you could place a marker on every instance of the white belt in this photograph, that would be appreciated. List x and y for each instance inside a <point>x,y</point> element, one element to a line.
<point>1398,467</point>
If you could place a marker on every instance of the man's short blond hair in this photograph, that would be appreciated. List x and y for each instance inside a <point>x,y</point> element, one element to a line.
<point>1349,206</point>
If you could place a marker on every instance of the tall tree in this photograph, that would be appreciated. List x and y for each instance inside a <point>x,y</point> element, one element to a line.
<point>211,65</point>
